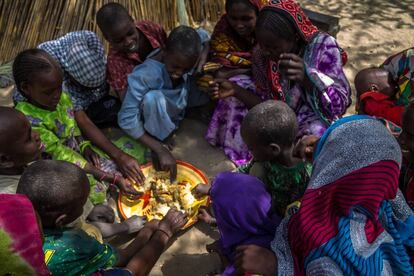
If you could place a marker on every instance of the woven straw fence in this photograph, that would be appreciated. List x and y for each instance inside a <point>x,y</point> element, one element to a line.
<point>26,23</point>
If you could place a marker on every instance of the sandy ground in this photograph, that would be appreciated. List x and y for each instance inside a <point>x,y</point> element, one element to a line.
<point>370,31</point>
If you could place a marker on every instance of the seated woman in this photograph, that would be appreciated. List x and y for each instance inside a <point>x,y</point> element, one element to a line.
<point>297,64</point>
<point>353,219</point>
<point>231,49</point>
<point>384,91</point>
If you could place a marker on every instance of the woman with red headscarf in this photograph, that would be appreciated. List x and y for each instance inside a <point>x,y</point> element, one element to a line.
<point>231,49</point>
<point>295,63</point>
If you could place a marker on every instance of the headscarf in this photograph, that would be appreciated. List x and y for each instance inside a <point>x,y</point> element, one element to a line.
<point>304,27</point>
<point>401,67</point>
<point>81,55</point>
<point>242,207</point>
<point>85,63</point>
<point>227,47</point>
<point>353,219</point>
<point>20,240</point>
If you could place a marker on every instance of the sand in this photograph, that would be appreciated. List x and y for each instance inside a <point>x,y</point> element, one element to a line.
<point>370,31</point>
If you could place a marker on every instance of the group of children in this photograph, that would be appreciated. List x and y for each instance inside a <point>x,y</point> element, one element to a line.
<point>270,131</point>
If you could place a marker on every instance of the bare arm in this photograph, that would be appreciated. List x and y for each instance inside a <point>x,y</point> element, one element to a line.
<point>127,164</point>
<point>166,160</point>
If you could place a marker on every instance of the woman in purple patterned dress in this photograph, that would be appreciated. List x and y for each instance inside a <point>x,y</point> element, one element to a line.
<point>297,64</point>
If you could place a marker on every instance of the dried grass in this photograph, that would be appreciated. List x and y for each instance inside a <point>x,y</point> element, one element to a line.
<point>26,23</point>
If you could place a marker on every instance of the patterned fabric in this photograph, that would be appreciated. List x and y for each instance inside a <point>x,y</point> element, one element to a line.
<point>121,64</point>
<point>401,67</point>
<point>73,252</point>
<point>330,94</point>
<point>58,132</point>
<point>20,239</point>
<point>80,55</point>
<point>228,48</point>
<point>353,219</point>
<point>286,185</point>
<point>224,127</point>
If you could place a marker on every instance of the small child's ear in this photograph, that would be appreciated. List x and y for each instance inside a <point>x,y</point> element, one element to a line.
<point>6,162</point>
<point>60,221</point>
<point>275,149</point>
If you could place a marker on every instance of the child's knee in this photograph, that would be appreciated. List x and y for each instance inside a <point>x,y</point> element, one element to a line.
<point>153,98</point>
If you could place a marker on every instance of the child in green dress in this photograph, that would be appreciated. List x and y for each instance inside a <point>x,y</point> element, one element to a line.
<point>269,130</point>
<point>58,191</point>
<point>50,111</point>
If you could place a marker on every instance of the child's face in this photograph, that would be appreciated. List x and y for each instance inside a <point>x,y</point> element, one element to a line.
<point>26,146</point>
<point>45,89</point>
<point>273,45</point>
<point>177,64</point>
<point>406,138</point>
<point>242,19</point>
<point>124,37</point>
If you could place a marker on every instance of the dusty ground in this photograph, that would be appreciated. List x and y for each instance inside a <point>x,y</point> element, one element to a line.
<point>371,30</point>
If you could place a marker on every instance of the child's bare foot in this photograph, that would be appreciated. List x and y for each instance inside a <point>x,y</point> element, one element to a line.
<point>201,190</point>
<point>101,213</point>
<point>215,248</point>
<point>205,216</point>
<point>135,223</point>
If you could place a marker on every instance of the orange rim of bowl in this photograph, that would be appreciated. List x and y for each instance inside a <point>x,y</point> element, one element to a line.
<point>179,162</point>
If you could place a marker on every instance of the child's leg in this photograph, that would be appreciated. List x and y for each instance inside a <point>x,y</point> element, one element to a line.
<point>158,113</point>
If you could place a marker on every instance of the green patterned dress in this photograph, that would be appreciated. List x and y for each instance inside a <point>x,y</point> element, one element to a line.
<point>286,185</point>
<point>58,130</point>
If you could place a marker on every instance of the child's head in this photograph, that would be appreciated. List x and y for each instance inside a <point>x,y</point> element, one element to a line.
<point>182,51</point>
<point>19,145</point>
<point>118,27</point>
<point>269,130</point>
<point>242,16</point>
<point>38,76</point>
<point>375,79</point>
<point>407,136</point>
<point>57,189</point>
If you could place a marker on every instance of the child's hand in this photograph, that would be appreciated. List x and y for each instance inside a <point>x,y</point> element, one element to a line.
<point>292,66</point>
<point>305,147</point>
<point>92,157</point>
<point>173,221</point>
<point>165,161</point>
<point>201,190</point>
<point>255,259</point>
<point>221,89</point>
<point>130,168</point>
<point>126,186</point>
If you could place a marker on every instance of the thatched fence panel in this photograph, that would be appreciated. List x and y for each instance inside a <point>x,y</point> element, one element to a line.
<point>26,23</point>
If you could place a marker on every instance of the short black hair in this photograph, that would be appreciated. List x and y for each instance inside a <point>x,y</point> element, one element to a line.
<point>249,4</point>
<point>108,15</point>
<point>53,186</point>
<point>277,23</point>
<point>184,40</point>
<point>29,62</point>
<point>272,122</point>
